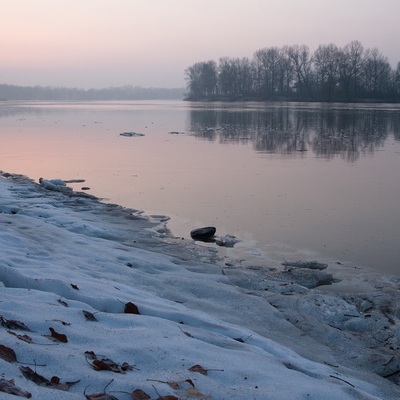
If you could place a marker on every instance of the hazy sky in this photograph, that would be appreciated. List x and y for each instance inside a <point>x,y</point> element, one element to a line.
<point>101,43</point>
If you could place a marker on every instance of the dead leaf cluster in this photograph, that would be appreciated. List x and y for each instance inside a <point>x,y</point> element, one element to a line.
<point>12,324</point>
<point>56,336</point>
<point>7,354</point>
<point>106,364</point>
<point>89,316</point>
<point>131,308</point>
<point>11,388</point>
<point>185,388</point>
<point>54,382</point>
<point>100,396</point>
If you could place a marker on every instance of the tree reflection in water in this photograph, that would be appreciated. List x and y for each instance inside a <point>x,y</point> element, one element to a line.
<point>327,131</point>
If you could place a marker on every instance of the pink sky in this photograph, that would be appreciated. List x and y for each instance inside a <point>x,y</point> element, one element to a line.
<point>100,43</point>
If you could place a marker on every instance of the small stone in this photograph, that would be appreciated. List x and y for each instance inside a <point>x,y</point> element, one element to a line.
<point>205,234</point>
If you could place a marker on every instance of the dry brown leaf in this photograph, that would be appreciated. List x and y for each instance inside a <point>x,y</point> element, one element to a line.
<point>54,382</point>
<point>139,394</point>
<point>168,398</point>
<point>12,324</point>
<point>25,338</point>
<point>190,382</point>
<point>178,384</point>
<point>7,354</point>
<point>10,388</point>
<point>131,308</point>
<point>106,364</point>
<point>58,336</point>
<point>198,368</point>
<point>91,354</point>
<point>194,393</point>
<point>126,367</point>
<point>186,333</point>
<point>63,303</point>
<point>34,377</point>
<point>89,316</point>
<point>62,322</point>
<point>100,396</point>
<point>173,385</point>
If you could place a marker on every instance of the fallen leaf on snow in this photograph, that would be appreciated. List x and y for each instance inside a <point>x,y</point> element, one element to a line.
<point>60,337</point>
<point>62,322</point>
<point>54,382</point>
<point>174,384</point>
<point>198,368</point>
<point>12,324</point>
<point>106,364</point>
<point>34,377</point>
<point>25,338</point>
<point>186,333</point>
<point>7,354</point>
<point>131,308</point>
<point>63,303</point>
<point>89,316</point>
<point>10,388</point>
<point>100,396</point>
<point>139,394</point>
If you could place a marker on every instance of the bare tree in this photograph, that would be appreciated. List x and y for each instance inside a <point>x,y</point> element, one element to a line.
<point>326,63</point>
<point>376,74</point>
<point>350,65</point>
<point>285,73</point>
<point>202,80</point>
<point>396,82</point>
<point>300,59</point>
<point>267,62</point>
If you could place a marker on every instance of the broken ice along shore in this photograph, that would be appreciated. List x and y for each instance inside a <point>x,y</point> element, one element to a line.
<point>99,299</point>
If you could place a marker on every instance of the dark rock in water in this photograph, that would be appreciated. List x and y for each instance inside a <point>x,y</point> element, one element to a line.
<point>131,134</point>
<point>205,234</point>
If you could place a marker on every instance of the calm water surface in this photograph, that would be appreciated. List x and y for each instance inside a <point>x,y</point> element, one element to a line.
<point>293,181</point>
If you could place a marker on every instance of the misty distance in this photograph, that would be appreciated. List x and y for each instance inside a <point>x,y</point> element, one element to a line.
<point>289,73</point>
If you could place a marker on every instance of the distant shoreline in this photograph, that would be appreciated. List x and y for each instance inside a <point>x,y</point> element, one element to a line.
<point>50,93</point>
<point>291,100</point>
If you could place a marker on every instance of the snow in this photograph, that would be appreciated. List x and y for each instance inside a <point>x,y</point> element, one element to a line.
<point>63,253</point>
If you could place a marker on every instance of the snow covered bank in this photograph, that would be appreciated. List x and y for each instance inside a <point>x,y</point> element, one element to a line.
<point>109,297</point>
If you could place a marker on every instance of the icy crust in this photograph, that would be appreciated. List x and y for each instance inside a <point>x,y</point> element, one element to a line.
<point>254,335</point>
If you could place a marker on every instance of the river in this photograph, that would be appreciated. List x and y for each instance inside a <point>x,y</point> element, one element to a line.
<point>290,180</point>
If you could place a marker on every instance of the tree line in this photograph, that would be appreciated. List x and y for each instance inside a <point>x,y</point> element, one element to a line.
<point>331,73</point>
<point>13,92</point>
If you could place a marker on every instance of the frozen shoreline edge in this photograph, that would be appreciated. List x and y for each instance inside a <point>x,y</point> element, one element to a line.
<point>285,296</point>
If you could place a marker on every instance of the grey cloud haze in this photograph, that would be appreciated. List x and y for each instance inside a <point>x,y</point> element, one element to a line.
<point>101,43</point>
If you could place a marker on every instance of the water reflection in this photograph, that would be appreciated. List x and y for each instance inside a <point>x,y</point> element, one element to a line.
<point>324,131</point>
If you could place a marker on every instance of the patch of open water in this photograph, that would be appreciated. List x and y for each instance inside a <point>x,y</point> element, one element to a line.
<point>292,181</point>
